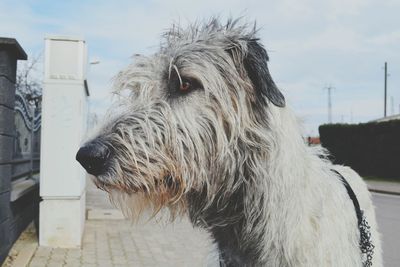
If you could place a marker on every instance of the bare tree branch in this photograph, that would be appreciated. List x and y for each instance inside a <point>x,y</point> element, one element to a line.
<point>29,78</point>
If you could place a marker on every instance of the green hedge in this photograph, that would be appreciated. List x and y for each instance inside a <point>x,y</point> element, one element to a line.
<point>372,149</point>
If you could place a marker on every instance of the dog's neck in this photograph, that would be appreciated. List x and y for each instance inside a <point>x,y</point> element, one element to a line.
<point>238,244</point>
<point>240,222</point>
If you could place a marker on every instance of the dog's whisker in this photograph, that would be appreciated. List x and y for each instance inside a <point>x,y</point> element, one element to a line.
<point>177,73</point>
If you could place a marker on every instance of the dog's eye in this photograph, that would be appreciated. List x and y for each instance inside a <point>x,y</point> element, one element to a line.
<point>182,87</point>
<point>185,86</point>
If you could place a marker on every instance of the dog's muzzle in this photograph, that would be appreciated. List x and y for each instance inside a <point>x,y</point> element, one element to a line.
<point>93,157</point>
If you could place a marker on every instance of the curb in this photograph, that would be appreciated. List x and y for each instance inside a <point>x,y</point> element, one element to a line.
<point>384,192</point>
<point>25,255</point>
<point>23,249</point>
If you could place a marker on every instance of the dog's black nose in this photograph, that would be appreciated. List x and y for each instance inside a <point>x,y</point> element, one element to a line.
<point>93,157</point>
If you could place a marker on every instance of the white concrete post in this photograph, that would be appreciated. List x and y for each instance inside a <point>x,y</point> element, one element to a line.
<point>64,119</point>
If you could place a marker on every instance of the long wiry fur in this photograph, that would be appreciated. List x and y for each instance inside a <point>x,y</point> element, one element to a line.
<point>228,157</point>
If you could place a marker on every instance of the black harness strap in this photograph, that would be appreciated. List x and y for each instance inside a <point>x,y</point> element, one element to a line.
<point>366,246</point>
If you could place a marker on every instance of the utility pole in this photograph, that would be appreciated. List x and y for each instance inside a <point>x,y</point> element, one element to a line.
<point>329,88</point>
<point>384,111</point>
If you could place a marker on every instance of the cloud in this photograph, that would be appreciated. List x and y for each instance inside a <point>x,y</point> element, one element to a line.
<point>387,38</point>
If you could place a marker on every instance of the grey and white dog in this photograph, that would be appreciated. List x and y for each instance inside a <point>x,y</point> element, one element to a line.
<point>206,132</point>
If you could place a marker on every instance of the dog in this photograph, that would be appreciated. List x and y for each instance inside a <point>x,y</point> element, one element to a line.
<point>204,131</point>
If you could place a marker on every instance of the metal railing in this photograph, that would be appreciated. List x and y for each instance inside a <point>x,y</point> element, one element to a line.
<point>27,119</point>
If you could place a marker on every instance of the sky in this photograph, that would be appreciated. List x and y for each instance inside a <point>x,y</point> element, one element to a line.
<point>312,44</point>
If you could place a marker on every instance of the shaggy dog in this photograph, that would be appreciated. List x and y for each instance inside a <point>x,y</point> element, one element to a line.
<point>206,132</point>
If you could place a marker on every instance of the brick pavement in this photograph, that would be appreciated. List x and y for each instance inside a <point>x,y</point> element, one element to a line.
<point>116,242</point>
<point>119,243</point>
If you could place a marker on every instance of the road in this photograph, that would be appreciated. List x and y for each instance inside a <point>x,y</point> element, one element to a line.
<point>388,215</point>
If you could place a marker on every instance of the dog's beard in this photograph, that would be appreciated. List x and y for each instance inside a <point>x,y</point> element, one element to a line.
<point>142,205</point>
<point>147,200</point>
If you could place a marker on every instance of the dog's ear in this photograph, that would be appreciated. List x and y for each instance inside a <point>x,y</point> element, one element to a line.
<point>255,63</point>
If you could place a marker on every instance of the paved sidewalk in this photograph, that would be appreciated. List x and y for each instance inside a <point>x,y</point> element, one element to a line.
<point>119,242</point>
<point>384,187</point>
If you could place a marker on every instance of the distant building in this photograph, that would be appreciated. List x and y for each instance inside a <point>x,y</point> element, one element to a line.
<point>313,141</point>
<point>387,118</point>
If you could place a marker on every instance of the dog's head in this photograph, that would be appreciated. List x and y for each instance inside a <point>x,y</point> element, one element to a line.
<point>193,110</point>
